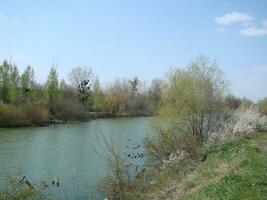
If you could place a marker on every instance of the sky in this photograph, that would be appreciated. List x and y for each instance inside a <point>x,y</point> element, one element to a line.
<point>141,38</point>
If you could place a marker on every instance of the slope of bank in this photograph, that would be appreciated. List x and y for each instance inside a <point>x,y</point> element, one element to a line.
<point>236,169</point>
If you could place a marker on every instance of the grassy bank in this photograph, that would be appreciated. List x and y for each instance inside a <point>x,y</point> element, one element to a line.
<point>236,169</point>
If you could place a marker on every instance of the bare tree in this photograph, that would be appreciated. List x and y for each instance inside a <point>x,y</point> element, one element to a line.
<point>134,84</point>
<point>80,74</point>
<point>155,91</point>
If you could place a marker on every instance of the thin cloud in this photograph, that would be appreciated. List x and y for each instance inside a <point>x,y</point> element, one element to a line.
<point>233,17</point>
<point>255,31</point>
<point>248,29</point>
<point>6,19</point>
<point>260,69</point>
<point>247,24</point>
<point>252,31</point>
<point>220,29</point>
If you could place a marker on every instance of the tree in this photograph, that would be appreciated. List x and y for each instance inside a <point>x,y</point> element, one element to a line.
<point>232,102</point>
<point>51,86</point>
<point>117,97</point>
<point>79,74</point>
<point>155,92</point>
<point>62,88</point>
<point>67,92</point>
<point>97,97</point>
<point>82,79</point>
<point>15,76</point>
<point>85,91</point>
<point>62,85</point>
<point>134,84</point>
<point>8,82</point>
<point>193,96</point>
<point>27,83</point>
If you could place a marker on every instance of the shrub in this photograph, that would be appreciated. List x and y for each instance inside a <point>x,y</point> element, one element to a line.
<point>116,102</point>
<point>122,181</point>
<point>11,115</point>
<point>192,96</point>
<point>168,142</point>
<point>263,106</point>
<point>22,115</point>
<point>19,188</point>
<point>35,113</point>
<point>242,121</point>
<point>70,110</point>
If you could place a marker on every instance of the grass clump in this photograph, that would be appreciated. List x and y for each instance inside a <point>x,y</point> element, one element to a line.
<point>19,188</point>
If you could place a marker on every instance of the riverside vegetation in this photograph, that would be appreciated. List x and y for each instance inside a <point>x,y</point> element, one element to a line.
<point>23,101</point>
<point>204,145</point>
<point>204,148</point>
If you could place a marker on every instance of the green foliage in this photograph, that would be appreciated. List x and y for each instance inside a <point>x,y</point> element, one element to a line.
<point>52,85</point>
<point>27,84</point>
<point>263,106</point>
<point>97,97</point>
<point>246,176</point>
<point>67,92</point>
<point>52,89</point>
<point>190,100</point>
<point>193,96</point>
<point>165,142</point>
<point>232,102</point>
<point>8,82</point>
<point>245,102</point>
<point>120,99</point>
<point>22,114</point>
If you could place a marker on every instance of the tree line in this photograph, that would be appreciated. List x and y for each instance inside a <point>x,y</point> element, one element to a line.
<point>24,101</point>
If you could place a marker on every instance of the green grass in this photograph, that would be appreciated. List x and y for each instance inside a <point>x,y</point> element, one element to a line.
<point>244,175</point>
<point>234,170</point>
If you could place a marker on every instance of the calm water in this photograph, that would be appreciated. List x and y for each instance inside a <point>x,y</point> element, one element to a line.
<point>67,151</point>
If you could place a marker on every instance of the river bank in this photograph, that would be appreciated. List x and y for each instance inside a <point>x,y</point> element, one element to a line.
<point>91,116</point>
<point>95,115</point>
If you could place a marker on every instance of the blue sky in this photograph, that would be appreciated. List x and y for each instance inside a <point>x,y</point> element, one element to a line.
<point>138,37</point>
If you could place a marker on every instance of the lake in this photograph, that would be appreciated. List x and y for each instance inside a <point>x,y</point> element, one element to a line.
<point>68,151</point>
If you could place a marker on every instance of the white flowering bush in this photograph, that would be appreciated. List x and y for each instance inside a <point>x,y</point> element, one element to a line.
<point>242,121</point>
<point>174,158</point>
